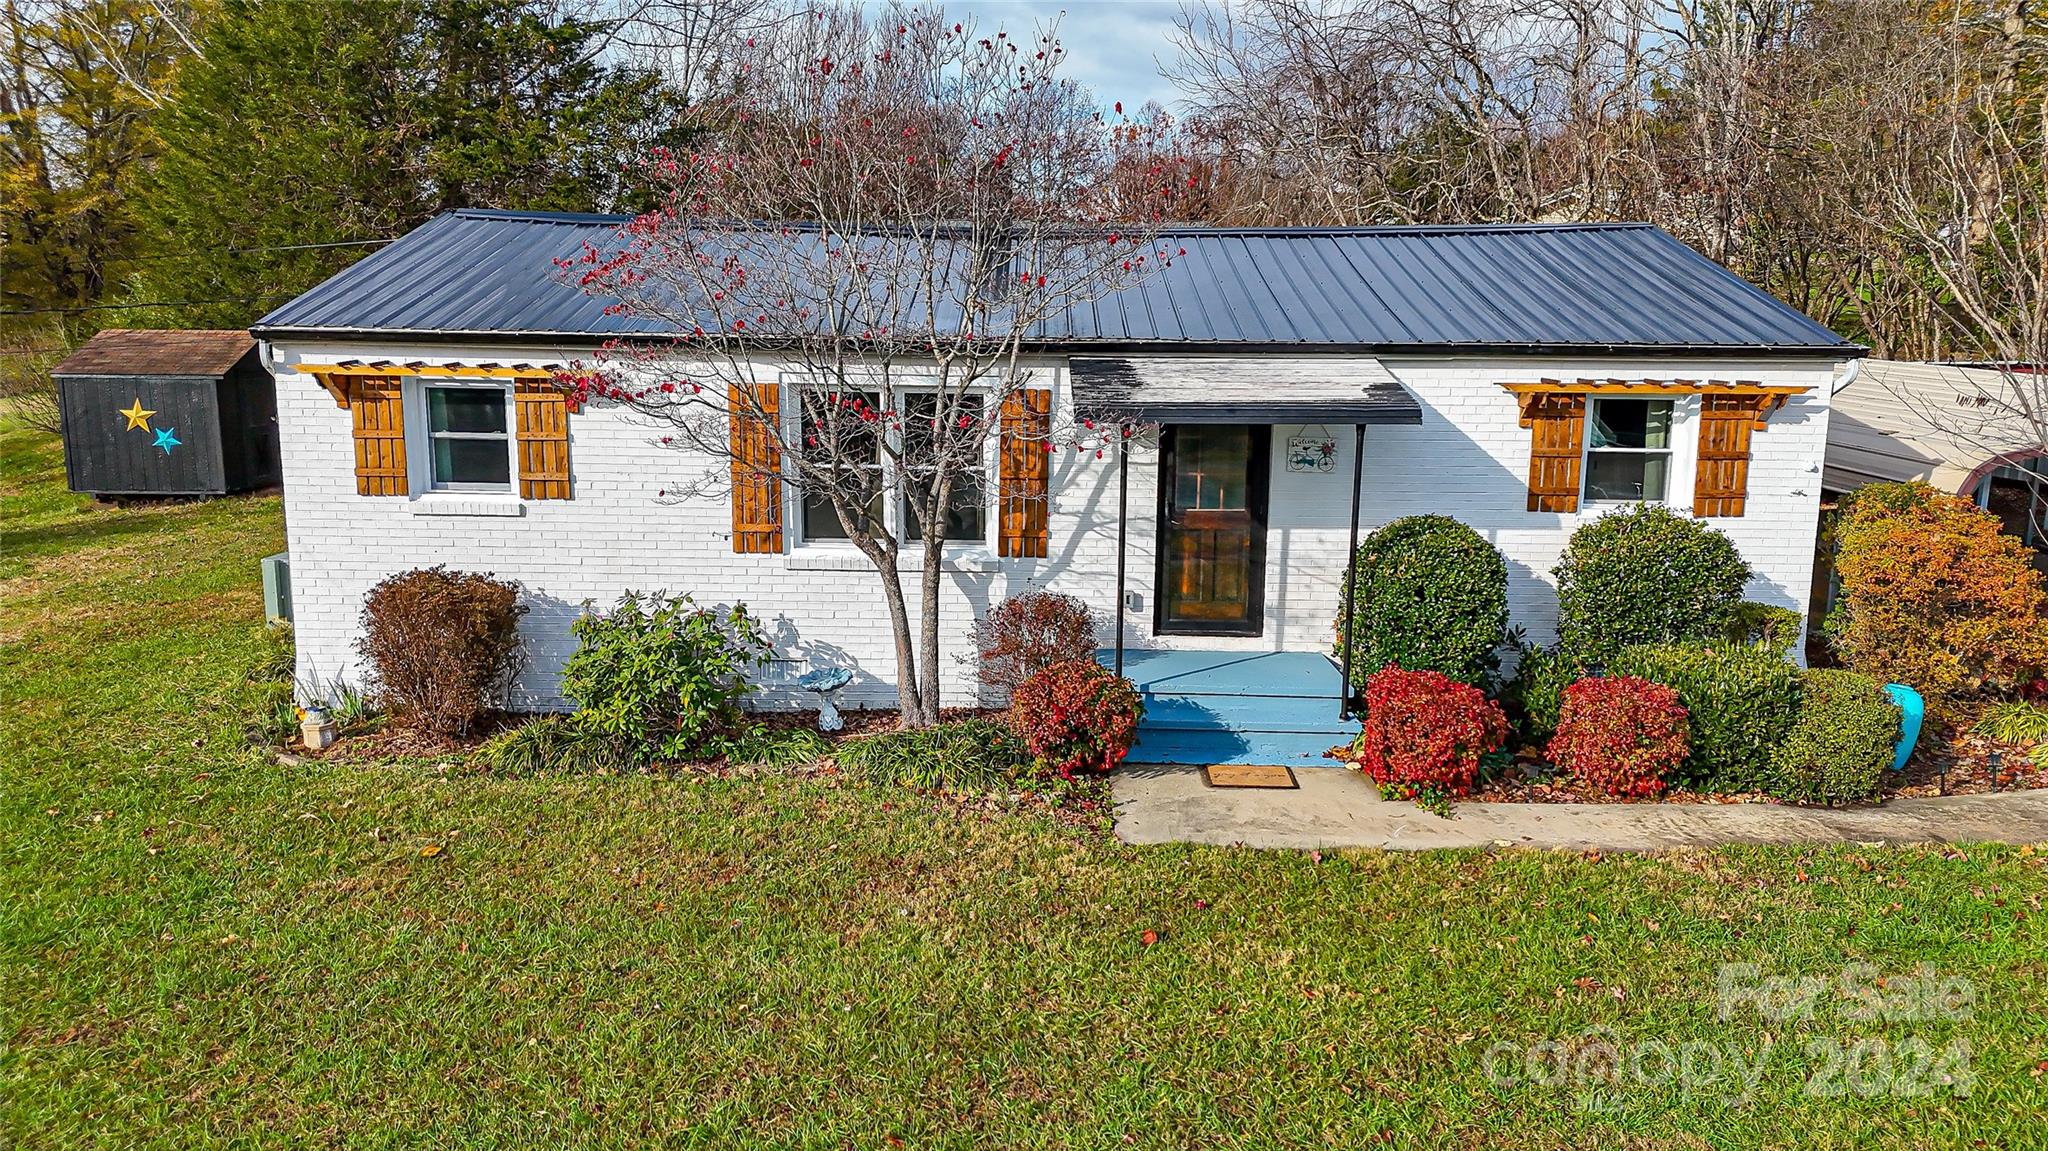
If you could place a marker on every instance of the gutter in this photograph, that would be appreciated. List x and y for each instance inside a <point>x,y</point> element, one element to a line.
<point>1119,347</point>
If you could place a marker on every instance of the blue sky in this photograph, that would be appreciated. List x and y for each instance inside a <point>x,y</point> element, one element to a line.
<point>1113,46</point>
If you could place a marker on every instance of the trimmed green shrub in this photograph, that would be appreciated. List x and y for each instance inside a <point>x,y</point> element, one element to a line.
<point>664,677</point>
<point>1645,575</point>
<point>1840,747</point>
<point>1430,595</point>
<point>1741,702</point>
<point>964,756</point>
<point>1536,693</point>
<point>1764,625</point>
<point>552,743</point>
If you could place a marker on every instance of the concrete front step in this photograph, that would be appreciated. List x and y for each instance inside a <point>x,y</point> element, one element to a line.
<point>1245,713</point>
<point>1215,745</point>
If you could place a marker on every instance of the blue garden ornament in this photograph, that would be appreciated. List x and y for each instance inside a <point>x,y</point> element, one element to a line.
<point>826,682</point>
<point>1912,711</point>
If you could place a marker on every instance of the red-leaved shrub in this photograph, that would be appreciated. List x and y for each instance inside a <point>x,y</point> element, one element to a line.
<point>1027,633</point>
<point>1076,717</point>
<point>1621,734</point>
<point>1424,733</point>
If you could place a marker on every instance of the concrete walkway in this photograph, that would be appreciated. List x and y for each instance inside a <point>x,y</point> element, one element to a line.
<point>1339,808</point>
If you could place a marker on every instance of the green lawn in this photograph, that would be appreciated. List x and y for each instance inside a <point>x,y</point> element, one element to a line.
<point>201,948</point>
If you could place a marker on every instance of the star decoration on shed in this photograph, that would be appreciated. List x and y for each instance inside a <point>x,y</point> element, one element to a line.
<point>167,438</point>
<point>138,416</point>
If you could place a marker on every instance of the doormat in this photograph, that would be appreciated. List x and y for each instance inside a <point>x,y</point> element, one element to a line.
<point>1250,775</point>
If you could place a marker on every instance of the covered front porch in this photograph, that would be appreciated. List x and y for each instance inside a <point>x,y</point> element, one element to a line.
<point>1210,569</point>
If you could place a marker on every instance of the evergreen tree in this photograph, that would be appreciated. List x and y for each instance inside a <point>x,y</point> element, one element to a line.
<point>303,128</point>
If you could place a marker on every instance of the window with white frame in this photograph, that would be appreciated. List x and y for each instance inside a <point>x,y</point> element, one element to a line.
<point>967,502</point>
<point>468,433</point>
<point>827,414</point>
<point>1628,449</point>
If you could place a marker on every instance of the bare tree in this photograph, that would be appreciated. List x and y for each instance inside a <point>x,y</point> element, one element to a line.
<point>956,207</point>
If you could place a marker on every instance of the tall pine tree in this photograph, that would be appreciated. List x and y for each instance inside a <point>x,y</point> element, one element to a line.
<point>301,125</point>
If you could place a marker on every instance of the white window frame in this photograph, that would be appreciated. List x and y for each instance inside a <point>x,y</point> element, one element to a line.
<point>1679,420</point>
<point>894,511</point>
<point>419,438</point>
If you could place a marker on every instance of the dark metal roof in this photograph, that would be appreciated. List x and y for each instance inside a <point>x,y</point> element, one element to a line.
<point>475,274</point>
<point>1238,390</point>
<point>146,352</point>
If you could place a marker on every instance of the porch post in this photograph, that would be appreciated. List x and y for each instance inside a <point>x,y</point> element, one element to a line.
<point>1351,558</point>
<point>1123,503</point>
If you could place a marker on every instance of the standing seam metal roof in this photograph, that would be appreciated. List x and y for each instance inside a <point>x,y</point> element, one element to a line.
<point>1529,287</point>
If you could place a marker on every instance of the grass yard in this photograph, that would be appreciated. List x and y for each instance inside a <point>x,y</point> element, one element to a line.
<point>200,948</point>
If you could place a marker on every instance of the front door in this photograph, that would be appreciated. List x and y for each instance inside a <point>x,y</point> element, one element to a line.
<point>1212,529</point>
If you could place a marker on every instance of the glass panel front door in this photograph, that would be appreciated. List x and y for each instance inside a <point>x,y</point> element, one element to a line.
<point>1212,538</point>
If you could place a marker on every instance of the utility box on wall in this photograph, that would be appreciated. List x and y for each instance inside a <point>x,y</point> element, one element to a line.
<point>167,413</point>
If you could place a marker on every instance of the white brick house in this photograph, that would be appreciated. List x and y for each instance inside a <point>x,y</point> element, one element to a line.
<point>1662,378</point>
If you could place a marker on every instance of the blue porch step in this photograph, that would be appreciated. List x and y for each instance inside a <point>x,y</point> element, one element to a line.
<point>1211,707</point>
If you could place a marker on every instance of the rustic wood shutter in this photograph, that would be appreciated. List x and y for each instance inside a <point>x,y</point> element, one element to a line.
<point>1557,424</point>
<point>543,429</point>
<point>1721,480</point>
<point>377,408</point>
<point>756,470</point>
<point>1025,474</point>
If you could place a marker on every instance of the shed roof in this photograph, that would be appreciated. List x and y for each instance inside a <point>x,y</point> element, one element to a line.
<point>1904,420</point>
<point>150,352</point>
<point>474,274</point>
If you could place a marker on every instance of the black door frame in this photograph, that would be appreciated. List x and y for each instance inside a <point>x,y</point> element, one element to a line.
<point>1259,465</point>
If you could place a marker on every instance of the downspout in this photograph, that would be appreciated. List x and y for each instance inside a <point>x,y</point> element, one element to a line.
<point>1847,377</point>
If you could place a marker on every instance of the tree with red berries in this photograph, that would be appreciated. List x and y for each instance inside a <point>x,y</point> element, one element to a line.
<point>893,212</point>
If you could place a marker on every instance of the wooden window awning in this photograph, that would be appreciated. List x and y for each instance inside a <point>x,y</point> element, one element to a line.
<point>1765,398</point>
<point>336,377</point>
<point>1555,411</point>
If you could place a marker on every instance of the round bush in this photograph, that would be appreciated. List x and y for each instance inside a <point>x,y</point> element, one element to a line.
<point>1025,634</point>
<point>1841,745</point>
<point>1537,690</point>
<point>663,677</point>
<point>1076,717</point>
<point>1623,735</point>
<point>1741,702</point>
<point>442,646</point>
<point>1645,575</point>
<point>1935,596</point>
<point>1430,595</point>
<point>1425,732</point>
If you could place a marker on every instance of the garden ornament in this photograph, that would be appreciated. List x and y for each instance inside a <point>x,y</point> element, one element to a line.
<point>826,681</point>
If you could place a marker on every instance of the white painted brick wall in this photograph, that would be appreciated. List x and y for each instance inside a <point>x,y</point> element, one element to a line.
<point>1469,459</point>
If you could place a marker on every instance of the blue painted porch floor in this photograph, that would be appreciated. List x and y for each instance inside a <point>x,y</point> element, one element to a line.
<point>1204,707</point>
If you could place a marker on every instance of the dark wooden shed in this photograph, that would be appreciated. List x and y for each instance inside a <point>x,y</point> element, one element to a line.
<point>167,413</point>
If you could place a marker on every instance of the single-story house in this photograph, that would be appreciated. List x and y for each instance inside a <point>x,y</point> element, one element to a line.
<point>1520,378</point>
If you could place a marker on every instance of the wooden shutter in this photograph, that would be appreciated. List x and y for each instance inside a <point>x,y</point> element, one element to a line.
<point>1025,474</point>
<point>756,470</point>
<point>1557,424</point>
<point>543,429</point>
<point>1720,485</point>
<point>378,413</point>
